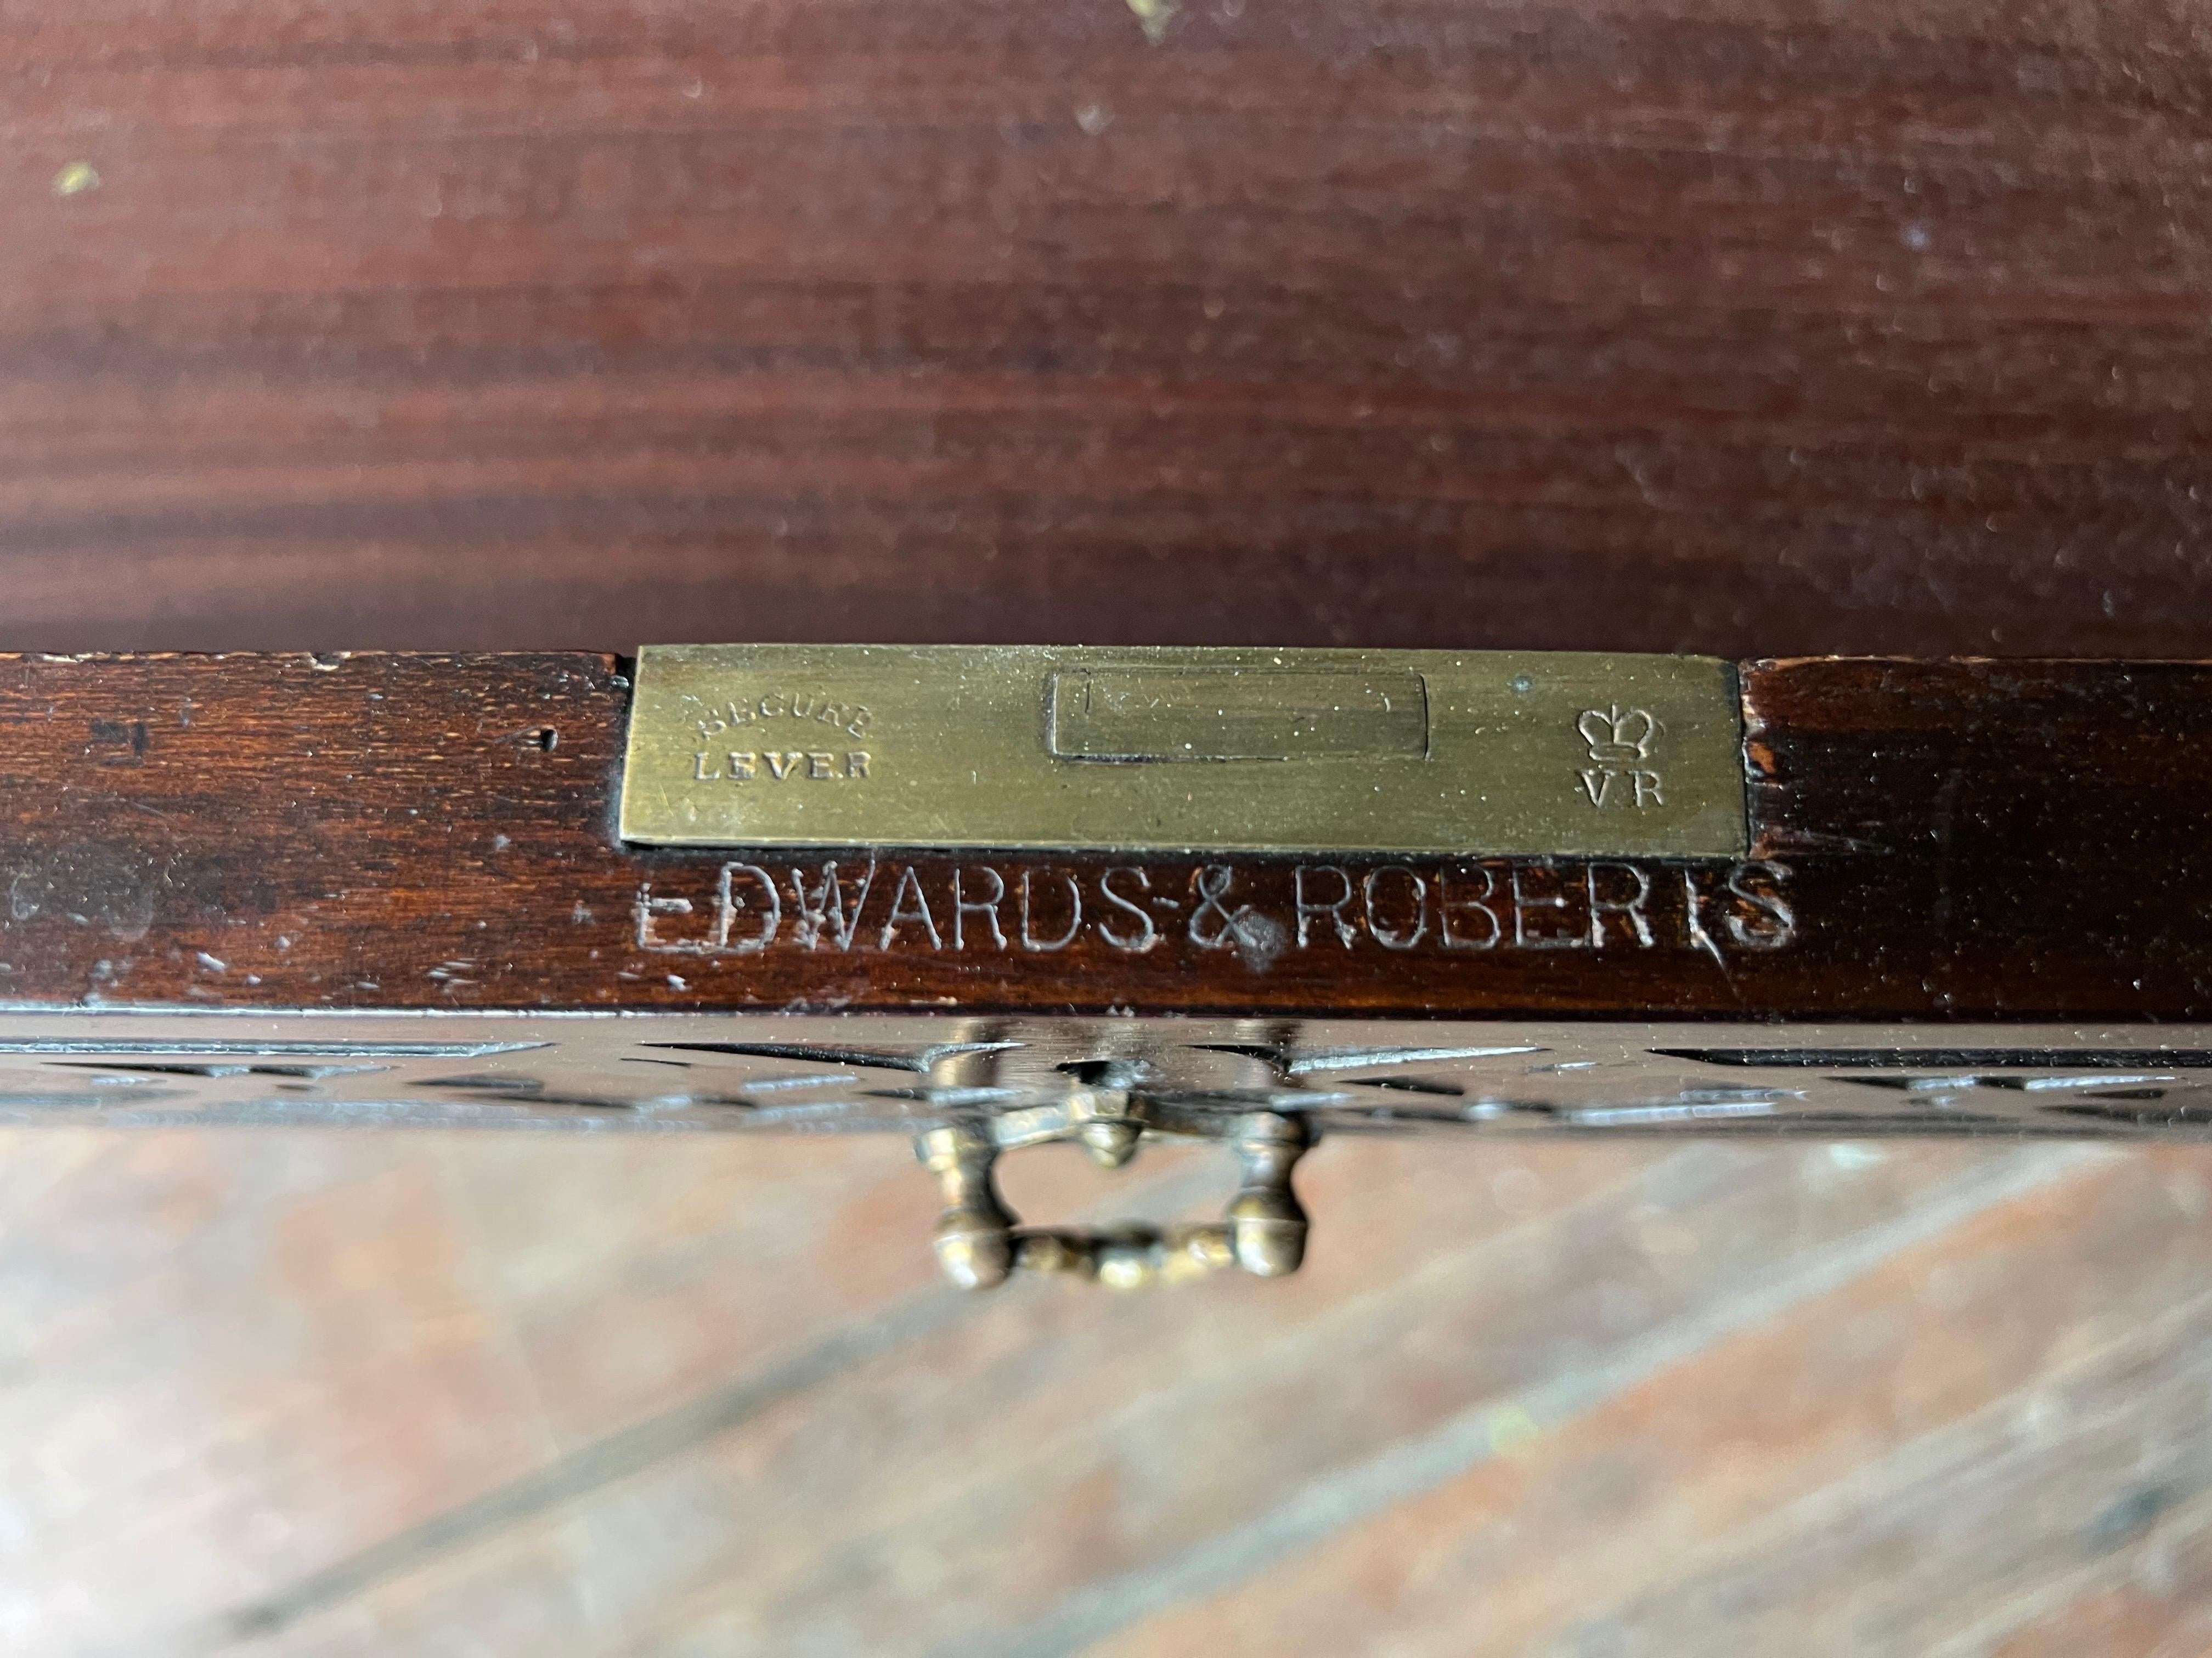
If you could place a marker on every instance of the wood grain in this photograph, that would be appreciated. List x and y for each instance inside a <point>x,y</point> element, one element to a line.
<point>1718,326</point>
<point>1966,839</point>
<point>1562,1399</point>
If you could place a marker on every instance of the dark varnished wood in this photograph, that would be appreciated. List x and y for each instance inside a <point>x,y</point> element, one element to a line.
<point>1538,324</point>
<point>1950,840</point>
<point>1394,322</point>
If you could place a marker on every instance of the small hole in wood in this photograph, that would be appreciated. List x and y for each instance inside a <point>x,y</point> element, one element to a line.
<point>546,738</point>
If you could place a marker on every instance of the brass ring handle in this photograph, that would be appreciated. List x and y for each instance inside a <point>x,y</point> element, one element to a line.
<point>979,1242</point>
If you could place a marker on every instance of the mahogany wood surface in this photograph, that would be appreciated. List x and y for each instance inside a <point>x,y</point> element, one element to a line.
<point>1732,325</point>
<point>1747,326</point>
<point>312,1393</point>
<point>1964,839</point>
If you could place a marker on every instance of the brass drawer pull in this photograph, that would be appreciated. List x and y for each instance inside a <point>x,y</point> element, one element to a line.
<point>979,1241</point>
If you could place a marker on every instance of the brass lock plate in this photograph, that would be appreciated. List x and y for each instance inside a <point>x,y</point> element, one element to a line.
<point>1214,749</point>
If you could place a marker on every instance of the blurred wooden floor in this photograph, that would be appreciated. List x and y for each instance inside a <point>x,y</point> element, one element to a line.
<point>393,1393</point>
<point>1723,324</point>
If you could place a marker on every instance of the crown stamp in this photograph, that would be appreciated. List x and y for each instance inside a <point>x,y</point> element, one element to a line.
<point>1615,736</point>
<point>1619,742</point>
